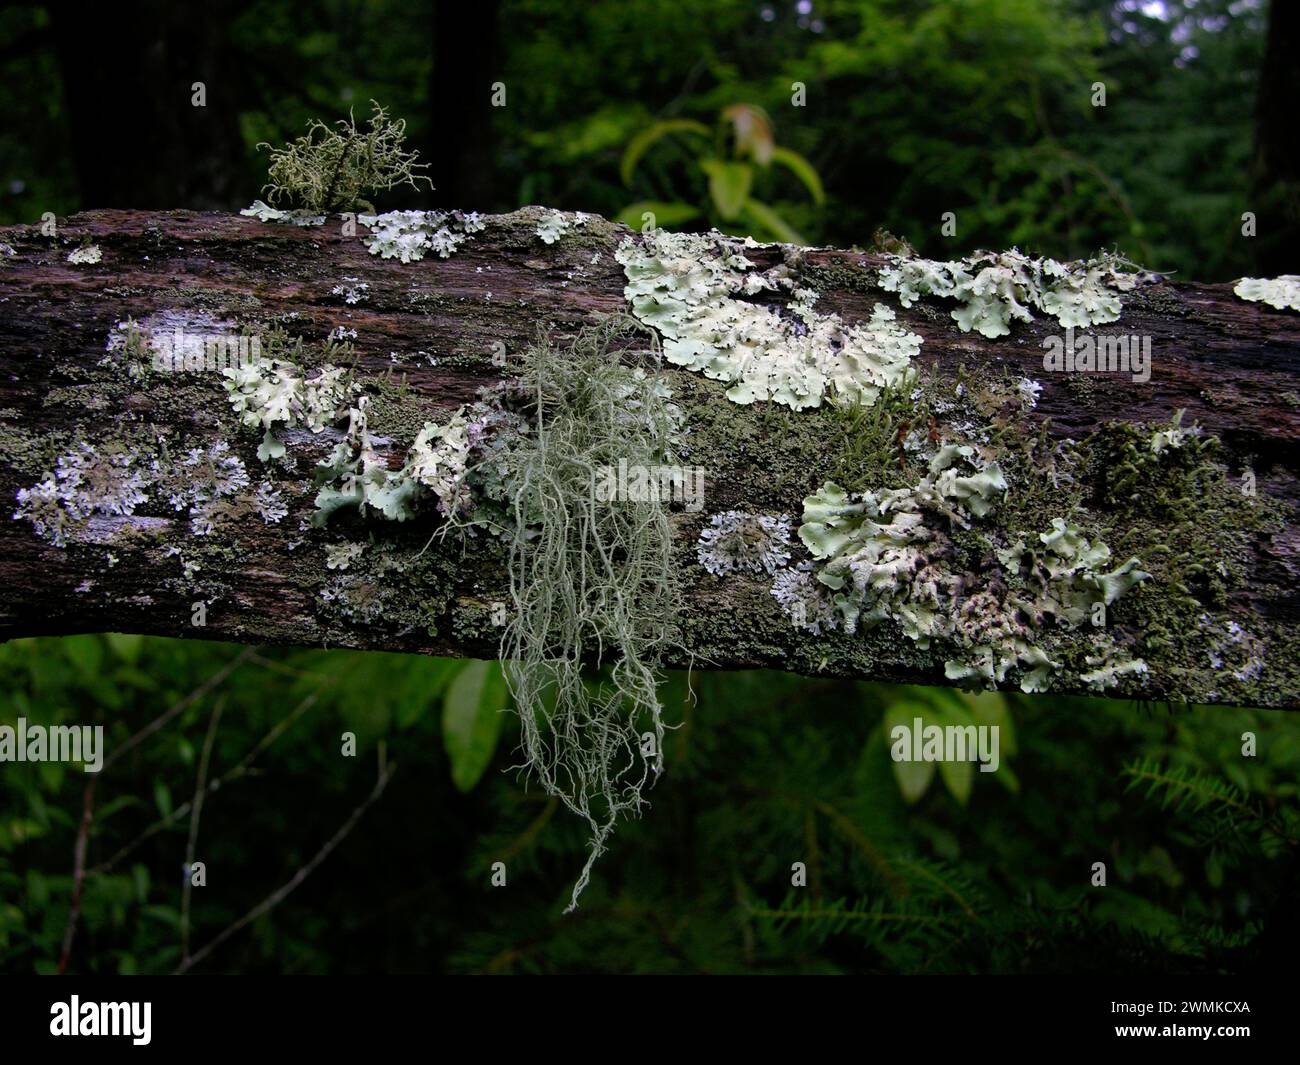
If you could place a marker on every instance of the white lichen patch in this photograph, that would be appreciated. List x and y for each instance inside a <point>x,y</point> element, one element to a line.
<point>341,555</point>
<point>273,395</point>
<point>1281,292</point>
<point>357,598</point>
<point>203,481</point>
<point>748,543</point>
<point>85,483</point>
<point>1175,437</point>
<point>86,255</point>
<point>555,224</point>
<point>697,290</point>
<point>265,213</point>
<point>409,235</point>
<point>806,602</point>
<point>269,504</point>
<point>995,288</point>
<point>353,290</point>
<point>1110,665</point>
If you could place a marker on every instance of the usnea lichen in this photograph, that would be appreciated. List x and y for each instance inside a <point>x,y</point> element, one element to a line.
<point>1281,292</point>
<point>993,288</point>
<point>697,291</point>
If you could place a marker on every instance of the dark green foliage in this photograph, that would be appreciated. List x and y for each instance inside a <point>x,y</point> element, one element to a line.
<point>763,771</point>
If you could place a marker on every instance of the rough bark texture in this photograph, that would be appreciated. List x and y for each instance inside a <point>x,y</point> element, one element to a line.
<point>1231,365</point>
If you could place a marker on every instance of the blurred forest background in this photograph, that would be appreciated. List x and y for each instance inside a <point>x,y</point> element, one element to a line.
<point>912,108</point>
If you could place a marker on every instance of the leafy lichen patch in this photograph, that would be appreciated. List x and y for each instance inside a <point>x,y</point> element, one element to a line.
<point>995,288</point>
<point>1281,292</point>
<point>705,298</point>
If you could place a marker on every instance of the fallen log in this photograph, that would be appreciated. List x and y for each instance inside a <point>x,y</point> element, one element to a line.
<point>183,530</point>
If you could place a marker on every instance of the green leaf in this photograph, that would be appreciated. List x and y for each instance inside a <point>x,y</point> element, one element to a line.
<point>426,680</point>
<point>803,170</point>
<point>666,214</point>
<point>913,777</point>
<point>471,721</point>
<point>162,798</point>
<point>769,223</point>
<point>125,645</point>
<point>958,776</point>
<point>729,185</point>
<point>642,142</point>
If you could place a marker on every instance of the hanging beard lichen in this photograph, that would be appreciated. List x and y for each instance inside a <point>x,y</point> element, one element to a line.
<point>592,582</point>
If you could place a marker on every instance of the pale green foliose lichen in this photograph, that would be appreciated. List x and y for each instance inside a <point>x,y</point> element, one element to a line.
<point>265,213</point>
<point>354,474</point>
<point>1281,292</point>
<point>408,235</point>
<point>691,287</point>
<point>890,556</point>
<point>272,394</point>
<point>993,288</point>
<point>554,224</point>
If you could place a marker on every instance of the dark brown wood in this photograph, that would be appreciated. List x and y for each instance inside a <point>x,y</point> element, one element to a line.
<point>1231,365</point>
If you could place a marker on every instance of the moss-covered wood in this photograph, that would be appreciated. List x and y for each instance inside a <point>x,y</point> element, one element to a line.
<point>1218,620</point>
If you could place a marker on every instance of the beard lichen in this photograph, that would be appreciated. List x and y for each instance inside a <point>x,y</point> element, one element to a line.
<point>591,583</point>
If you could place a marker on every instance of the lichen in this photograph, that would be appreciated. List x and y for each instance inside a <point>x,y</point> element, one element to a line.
<point>893,556</point>
<point>737,541</point>
<point>408,235</point>
<point>86,482</point>
<point>274,394</point>
<point>86,255</point>
<point>696,291</point>
<point>1281,292</point>
<point>327,170</point>
<point>265,213</point>
<point>993,288</point>
<point>555,224</point>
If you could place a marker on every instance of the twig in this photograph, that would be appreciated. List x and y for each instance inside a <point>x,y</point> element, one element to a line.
<point>88,798</point>
<point>241,770</point>
<point>278,896</point>
<point>78,873</point>
<point>198,693</point>
<point>200,790</point>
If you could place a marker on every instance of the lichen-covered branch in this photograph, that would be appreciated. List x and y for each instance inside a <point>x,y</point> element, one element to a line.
<point>287,427</point>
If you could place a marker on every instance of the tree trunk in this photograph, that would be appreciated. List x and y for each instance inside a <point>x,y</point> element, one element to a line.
<point>1216,622</point>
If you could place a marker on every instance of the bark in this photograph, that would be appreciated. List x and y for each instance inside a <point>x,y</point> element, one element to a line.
<point>1231,365</point>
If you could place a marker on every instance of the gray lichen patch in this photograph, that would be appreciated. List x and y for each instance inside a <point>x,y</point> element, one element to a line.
<point>409,235</point>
